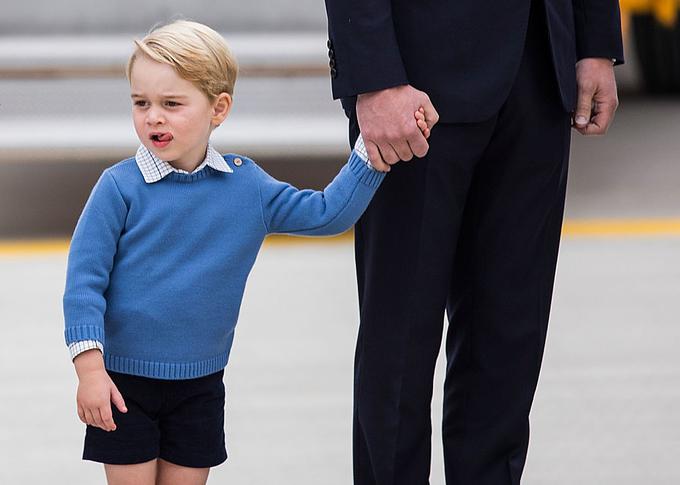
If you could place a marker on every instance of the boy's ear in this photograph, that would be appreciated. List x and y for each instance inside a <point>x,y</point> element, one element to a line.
<point>221,108</point>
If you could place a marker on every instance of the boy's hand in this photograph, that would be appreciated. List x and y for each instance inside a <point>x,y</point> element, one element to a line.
<point>422,124</point>
<point>96,391</point>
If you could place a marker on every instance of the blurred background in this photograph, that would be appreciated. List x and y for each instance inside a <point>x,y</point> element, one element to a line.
<point>606,406</point>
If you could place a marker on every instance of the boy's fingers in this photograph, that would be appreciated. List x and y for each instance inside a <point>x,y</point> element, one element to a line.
<point>89,418</point>
<point>96,415</point>
<point>431,115</point>
<point>117,399</point>
<point>107,418</point>
<point>81,415</point>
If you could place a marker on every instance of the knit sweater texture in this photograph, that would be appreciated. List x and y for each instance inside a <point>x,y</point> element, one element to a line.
<point>156,272</point>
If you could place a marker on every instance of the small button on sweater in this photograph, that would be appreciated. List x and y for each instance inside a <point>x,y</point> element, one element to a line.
<point>156,271</point>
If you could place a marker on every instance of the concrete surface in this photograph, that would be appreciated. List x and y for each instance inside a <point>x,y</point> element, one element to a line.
<point>606,410</point>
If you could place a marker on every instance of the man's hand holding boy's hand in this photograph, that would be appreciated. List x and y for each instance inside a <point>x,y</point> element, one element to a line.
<point>385,123</point>
<point>422,126</point>
<point>96,391</point>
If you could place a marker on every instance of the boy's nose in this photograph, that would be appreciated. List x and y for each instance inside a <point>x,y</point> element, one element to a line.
<point>154,117</point>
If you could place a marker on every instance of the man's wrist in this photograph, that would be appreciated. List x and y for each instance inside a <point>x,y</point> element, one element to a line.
<point>376,91</point>
<point>609,60</point>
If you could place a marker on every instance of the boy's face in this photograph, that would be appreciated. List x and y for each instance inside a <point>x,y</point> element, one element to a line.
<point>172,117</point>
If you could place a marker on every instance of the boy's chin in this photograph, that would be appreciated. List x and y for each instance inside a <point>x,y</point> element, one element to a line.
<point>164,155</point>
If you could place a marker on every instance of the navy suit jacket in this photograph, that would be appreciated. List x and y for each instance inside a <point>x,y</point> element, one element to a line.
<point>463,53</point>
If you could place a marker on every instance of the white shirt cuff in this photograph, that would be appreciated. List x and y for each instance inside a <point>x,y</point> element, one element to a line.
<point>360,150</point>
<point>77,348</point>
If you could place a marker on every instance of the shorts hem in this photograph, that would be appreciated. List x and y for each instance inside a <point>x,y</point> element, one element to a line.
<point>198,463</point>
<point>110,459</point>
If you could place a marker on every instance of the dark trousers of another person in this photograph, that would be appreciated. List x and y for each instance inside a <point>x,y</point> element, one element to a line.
<point>472,228</point>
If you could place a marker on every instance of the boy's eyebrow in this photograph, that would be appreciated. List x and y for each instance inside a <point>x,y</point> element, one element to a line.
<point>167,95</point>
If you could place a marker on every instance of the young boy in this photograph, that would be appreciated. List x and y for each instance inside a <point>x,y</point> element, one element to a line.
<point>159,260</point>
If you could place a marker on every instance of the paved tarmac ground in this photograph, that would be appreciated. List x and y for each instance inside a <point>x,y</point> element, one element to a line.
<point>606,411</point>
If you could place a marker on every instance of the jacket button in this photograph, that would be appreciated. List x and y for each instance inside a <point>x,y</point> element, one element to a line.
<point>329,44</point>
<point>331,63</point>
<point>331,53</point>
<point>238,162</point>
<point>334,73</point>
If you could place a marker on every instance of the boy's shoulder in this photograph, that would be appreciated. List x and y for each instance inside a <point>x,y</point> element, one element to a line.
<point>124,166</point>
<point>244,164</point>
<point>125,171</point>
<point>236,160</point>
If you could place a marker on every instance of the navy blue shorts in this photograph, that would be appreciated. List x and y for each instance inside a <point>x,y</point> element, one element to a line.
<point>180,421</point>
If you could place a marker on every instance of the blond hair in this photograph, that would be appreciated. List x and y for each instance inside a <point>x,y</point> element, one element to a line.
<point>198,54</point>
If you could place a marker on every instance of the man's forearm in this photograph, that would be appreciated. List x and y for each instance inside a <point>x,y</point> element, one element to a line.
<point>363,48</point>
<point>598,29</point>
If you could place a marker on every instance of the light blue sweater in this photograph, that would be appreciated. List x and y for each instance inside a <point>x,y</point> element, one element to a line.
<point>156,272</point>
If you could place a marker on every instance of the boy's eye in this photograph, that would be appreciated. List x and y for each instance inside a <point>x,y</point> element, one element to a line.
<point>172,103</point>
<point>140,103</point>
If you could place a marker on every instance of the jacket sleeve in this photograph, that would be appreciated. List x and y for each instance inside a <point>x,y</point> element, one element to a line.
<point>288,210</point>
<point>363,47</point>
<point>598,29</point>
<point>90,261</point>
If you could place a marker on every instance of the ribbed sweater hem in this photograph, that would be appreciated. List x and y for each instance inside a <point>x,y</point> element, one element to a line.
<point>84,332</point>
<point>165,370</point>
<point>364,173</point>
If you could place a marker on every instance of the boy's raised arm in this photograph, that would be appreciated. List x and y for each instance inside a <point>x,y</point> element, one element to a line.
<point>285,209</point>
<point>334,210</point>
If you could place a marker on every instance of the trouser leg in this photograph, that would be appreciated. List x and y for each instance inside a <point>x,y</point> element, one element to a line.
<point>405,244</point>
<point>503,274</point>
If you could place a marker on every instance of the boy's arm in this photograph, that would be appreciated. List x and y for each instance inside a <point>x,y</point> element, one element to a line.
<point>286,209</point>
<point>90,261</point>
<point>96,392</point>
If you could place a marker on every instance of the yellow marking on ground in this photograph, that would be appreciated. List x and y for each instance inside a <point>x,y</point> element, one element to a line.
<point>621,228</point>
<point>573,228</point>
<point>278,239</point>
<point>20,247</point>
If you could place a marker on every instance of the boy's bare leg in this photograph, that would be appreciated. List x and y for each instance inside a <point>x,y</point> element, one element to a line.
<point>171,474</point>
<point>137,474</point>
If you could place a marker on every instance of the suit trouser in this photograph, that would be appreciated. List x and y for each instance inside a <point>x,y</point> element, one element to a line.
<point>472,228</point>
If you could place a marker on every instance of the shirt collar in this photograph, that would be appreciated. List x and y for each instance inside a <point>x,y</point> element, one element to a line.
<point>154,169</point>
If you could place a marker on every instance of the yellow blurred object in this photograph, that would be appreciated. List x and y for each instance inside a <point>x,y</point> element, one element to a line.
<point>665,11</point>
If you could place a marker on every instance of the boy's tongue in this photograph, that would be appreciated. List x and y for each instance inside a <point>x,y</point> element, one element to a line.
<point>164,137</point>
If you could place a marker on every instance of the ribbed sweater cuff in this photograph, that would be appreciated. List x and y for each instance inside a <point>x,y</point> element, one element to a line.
<point>84,332</point>
<point>366,175</point>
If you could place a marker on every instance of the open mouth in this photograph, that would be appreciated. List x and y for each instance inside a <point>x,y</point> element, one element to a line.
<point>160,139</point>
<point>161,136</point>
